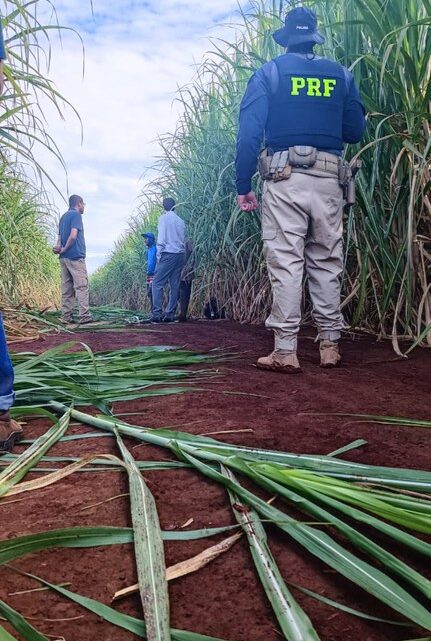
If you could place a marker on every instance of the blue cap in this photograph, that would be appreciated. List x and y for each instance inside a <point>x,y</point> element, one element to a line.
<point>149,234</point>
<point>300,26</point>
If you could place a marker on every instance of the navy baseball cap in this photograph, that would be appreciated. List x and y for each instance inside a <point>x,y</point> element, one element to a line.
<point>300,26</point>
<point>149,234</point>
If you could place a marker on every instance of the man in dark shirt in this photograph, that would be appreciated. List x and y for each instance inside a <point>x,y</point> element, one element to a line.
<point>71,250</point>
<point>304,107</point>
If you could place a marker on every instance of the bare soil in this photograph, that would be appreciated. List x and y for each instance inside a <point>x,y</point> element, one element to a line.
<point>225,599</point>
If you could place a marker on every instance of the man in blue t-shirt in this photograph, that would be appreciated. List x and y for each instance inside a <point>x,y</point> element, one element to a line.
<point>150,241</point>
<point>71,250</point>
<point>304,108</point>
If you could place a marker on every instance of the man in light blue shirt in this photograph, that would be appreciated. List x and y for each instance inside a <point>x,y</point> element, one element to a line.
<point>171,258</point>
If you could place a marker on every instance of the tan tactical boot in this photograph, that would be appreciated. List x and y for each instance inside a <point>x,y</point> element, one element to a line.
<point>10,432</point>
<point>329,354</point>
<point>287,363</point>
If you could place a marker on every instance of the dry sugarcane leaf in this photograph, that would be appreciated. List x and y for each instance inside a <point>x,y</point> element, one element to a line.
<point>23,464</point>
<point>58,475</point>
<point>188,566</point>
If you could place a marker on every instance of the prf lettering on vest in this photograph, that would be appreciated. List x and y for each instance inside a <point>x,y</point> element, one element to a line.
<point>322,87</point>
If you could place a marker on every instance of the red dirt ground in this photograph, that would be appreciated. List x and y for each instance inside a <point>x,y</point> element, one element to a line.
<point>225,599</point>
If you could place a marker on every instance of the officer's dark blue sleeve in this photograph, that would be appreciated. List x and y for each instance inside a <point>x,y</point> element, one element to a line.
<point>353,113</point>
<point>2,49</point>
<point>252,120</point>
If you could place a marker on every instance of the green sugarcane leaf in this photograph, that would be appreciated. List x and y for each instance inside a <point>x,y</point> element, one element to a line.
<point>20,624</point>
<point>100,378</point>
<point>324,547</point>
<point>293,621</point>
<point>149,552</point>
<point>352,495</point>
<point>388,420</point>
<point>24,463</point>
<point>124,621</point>
<point>85,537</point>
<point>347,448</point>
<point>416,480</point>
<point>345,608</point>
<point>5,635</point>
<point>393,532</point>
<point>267,479</point>
<point>358,496</point>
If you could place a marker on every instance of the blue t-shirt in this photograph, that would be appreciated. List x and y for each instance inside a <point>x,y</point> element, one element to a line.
<point>72,219</point>
<point>151,259</point>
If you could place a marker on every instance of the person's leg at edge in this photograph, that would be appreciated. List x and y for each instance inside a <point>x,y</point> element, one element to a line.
<point>284,228</point>
<point>10,430</point>
<point>324,264</point>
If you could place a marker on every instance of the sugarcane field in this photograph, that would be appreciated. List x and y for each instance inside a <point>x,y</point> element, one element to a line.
<point>215,320</point>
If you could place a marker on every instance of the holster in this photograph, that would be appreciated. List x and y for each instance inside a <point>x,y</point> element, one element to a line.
<point>346,177</point>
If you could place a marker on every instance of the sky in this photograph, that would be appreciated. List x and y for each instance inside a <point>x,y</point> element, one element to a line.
<point>137,53</point>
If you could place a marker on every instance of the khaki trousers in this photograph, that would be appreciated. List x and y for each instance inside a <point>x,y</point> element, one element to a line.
<point>74,284</point>
<point>302,224</point>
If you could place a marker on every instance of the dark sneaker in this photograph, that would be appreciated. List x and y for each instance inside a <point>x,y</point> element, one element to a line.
<point>10,433</point>
<point>170,319</point>
<point>155,319</point>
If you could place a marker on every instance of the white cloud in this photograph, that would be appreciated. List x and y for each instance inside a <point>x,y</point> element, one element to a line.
<point>136,56</point>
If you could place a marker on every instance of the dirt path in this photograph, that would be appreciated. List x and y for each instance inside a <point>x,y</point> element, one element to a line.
<point>225,599</point>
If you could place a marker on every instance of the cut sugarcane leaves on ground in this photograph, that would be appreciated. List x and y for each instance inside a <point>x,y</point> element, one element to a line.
<point>294,623</point>
<point>149,553</point>
<point>87,378</point>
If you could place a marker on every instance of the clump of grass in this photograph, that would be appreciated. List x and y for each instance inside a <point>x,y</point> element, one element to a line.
<point>29,271</point>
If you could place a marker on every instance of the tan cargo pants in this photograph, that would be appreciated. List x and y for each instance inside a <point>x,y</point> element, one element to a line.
<point>302,223</point>
<point>74,285</point>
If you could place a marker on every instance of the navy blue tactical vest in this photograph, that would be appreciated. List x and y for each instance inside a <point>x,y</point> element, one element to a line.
<point>307,106</point>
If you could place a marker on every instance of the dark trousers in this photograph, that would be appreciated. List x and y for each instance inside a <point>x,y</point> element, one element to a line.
<point>6,373</point>
<point>185,293</point>
<point>168,270</point>
<point>150,295</point>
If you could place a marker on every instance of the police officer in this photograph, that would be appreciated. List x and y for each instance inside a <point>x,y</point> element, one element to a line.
<point>304,107</point>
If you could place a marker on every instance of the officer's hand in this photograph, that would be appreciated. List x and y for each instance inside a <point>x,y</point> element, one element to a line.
<point>247,202</point>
